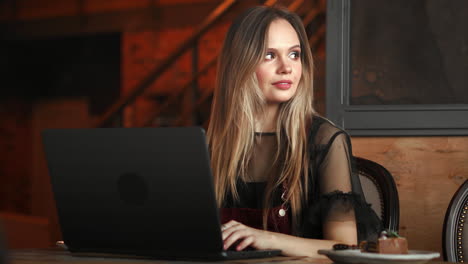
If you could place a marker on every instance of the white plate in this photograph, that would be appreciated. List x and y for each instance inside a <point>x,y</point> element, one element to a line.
<point>353,256</point>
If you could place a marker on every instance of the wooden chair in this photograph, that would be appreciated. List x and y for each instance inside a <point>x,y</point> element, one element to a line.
<point>380,191</point>
<point>455,235</point>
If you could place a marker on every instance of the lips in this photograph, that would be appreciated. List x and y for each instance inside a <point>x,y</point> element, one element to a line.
<point>283,84</point>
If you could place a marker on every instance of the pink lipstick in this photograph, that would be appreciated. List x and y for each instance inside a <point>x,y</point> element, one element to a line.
<point>283,84</point>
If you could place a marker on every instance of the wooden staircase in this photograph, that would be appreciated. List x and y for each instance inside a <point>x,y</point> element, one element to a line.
<point>190,105</point>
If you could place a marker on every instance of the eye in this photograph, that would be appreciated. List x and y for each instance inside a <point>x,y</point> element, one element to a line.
<point>269,56</point>
<point>295,54</point>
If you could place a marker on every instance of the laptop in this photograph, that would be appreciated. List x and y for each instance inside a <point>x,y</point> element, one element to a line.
<point>137,191</point>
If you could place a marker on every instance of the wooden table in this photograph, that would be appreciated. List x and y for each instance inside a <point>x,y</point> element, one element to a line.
<point>60,256</point>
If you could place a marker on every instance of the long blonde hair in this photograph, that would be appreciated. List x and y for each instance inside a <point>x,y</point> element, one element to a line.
<point>238,101</point>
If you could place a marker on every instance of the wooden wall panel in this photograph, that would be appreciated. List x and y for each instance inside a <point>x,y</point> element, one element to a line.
<point>428,171</point>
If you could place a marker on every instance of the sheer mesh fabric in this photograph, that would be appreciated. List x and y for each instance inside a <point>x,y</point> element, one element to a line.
<point>335,192</point>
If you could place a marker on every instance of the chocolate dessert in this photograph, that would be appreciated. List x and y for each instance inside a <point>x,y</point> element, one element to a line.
<point>388,243</point>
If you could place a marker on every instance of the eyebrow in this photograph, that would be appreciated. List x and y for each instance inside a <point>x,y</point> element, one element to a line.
<point>290,48</point>
<point>295,46</point>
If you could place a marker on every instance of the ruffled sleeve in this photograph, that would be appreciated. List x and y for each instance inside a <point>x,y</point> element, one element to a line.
<point>335,193</point>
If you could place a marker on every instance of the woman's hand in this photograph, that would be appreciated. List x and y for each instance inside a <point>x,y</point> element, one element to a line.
<point>239,237</point>
<point>245,236</point>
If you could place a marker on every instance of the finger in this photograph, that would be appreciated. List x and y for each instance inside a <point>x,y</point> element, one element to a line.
<point>235,236</point>
<point>230,223</point>
<point>245,243</point>
<point>231,229</point>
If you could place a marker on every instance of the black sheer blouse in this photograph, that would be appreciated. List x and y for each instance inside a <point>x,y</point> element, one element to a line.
<point>335,187</point>
<point>335,192</point>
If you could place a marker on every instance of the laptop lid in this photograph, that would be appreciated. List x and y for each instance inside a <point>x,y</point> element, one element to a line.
<point>145,191</point>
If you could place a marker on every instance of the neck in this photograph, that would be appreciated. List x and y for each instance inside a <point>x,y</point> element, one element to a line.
<point>268,124</point>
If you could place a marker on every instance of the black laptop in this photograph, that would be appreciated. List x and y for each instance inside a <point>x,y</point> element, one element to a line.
<point>137,191</point>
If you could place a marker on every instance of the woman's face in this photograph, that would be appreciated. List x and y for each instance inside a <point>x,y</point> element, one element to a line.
<point>281,69</point>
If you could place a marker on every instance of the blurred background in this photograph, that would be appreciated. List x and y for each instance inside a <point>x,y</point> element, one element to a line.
<point>101,63</point>
<point>142,63</point>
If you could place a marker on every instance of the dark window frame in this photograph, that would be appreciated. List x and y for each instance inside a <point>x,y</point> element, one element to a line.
<point>377,120</point>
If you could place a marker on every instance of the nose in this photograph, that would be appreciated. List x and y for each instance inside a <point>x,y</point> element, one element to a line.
<point>284,66</point>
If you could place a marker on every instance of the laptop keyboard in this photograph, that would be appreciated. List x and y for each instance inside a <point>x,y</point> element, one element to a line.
<point>251,253</point>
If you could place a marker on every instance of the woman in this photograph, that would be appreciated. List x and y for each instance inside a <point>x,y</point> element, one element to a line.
<point>283,175</point>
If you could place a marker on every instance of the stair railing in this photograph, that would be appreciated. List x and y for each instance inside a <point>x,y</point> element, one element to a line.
<point>207,94</point>
<point>313,41</point>
<point>116,109</point>
<point>186,87</point>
